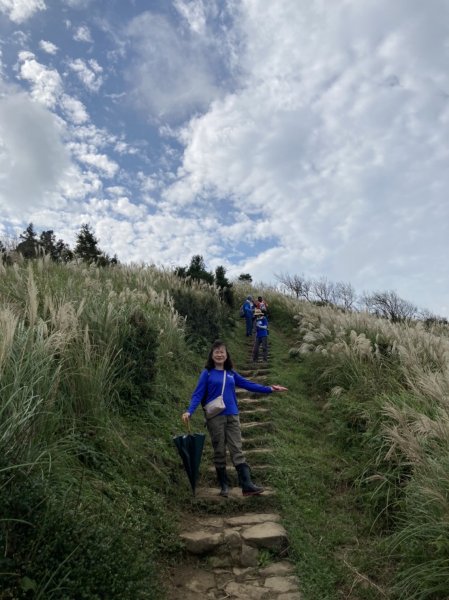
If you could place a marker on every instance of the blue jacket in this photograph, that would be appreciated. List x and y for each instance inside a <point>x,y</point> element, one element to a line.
<point>248,307</point>
<point>211,383</point>
<point>261,327</point>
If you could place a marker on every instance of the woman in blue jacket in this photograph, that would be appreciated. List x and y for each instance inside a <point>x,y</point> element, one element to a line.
<point>224,429</point>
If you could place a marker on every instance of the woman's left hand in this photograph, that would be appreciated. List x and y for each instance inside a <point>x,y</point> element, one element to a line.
<point>279,388</point>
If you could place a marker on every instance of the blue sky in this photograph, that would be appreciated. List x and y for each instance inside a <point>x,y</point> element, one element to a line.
<point>299,136</point>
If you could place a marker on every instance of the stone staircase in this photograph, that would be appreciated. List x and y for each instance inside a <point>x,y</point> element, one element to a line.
<point>241,551</point>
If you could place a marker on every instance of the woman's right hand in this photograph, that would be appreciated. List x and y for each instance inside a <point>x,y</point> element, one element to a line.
<point>279,388</point>
<point>185,418</point>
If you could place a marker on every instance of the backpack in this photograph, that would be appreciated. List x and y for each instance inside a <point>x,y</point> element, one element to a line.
<point>242,311</point>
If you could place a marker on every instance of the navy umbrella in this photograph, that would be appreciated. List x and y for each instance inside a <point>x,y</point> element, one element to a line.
<point>190,448</point>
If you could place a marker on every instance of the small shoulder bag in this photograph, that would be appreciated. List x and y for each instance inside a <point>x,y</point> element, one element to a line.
<point>217,405</point>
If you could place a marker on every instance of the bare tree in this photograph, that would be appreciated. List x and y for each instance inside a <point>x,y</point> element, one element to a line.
<point>297,285</point>
<point>324,291</point>
<point>429,318</point>
<point>389,305</point>
<point>345,295</point>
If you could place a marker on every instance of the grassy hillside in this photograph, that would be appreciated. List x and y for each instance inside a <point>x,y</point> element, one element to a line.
<point>362,451</point>
<point>382,389</point>
<point>96,367</point>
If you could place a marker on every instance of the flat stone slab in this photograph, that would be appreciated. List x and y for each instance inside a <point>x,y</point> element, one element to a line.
<point>235,494</point>
<point>244,591</point>
<point>266,535</point>
<point>255,440</point>
<point>277,569</point>
<point>256,426</point>
<point>202,541</point>
<point>282,584</point>
<point>252,519</point>
<point>237,543</point>
<point>254,411</point>
<point>258,451</point>
<point>252,401</point>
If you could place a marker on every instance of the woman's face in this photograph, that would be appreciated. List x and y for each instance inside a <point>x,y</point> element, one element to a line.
<point>219,355</point>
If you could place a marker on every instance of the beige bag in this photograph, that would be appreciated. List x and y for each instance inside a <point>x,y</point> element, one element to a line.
<point>217,405</point>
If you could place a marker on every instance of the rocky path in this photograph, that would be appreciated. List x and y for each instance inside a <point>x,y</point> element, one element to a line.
<point>236,547</point>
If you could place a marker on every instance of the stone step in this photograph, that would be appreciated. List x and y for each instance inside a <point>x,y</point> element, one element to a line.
<point>245,401</point>
<point>210,494</point>
<point>253,370</point>
<point>254,456</point>
<point>256,441</point>
<point>257,413</point>
<point>255,427</point>
<point>197,582</point>
<point>261,474</point>
<point>232,545</point>
<point>259,367</point>
<point>234,584</point>
<point>216,535</point>
<point>256,467</point>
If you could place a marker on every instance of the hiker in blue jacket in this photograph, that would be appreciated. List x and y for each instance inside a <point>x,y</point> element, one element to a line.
<point>261,336</point>
<point>248,309</point>
<point>220,378</point>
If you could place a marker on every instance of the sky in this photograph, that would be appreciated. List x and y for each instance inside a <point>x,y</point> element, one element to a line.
<point>297,136</point>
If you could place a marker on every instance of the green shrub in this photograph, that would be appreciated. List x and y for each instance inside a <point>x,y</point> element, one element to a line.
<point>205,314</point>
<point>138,361</point>
<point>101,550</point>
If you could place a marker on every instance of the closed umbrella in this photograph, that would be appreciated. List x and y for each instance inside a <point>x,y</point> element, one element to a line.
<point>190,448</point>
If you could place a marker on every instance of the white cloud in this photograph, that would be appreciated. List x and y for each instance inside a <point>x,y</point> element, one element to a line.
<point>21,10</point>
<point>48,47</point>
<point>89,155</point>
<point>74,110</point>
<point>116,190</point>
<point>83,34</point>
<point>318,142</point>
<point>194,13</point>
<point>338,134</point>
<point>47,88</point>
<point>172,72</point>
<point>35,168</point>
<point>88,73</point>
<point>46,83</point>
<point>123,206</point>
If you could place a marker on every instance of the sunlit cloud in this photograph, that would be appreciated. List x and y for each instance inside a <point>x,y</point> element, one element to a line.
<point>21,10</point>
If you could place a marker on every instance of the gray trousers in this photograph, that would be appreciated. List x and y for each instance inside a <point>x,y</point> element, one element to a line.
<point>225,431</point>
<point>261,341</point>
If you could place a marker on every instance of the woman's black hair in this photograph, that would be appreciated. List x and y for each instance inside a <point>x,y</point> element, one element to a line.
<point>228,365</point>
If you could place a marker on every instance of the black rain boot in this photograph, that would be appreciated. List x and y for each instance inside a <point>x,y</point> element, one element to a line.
<point>222,478</point>
<point>248,487</point>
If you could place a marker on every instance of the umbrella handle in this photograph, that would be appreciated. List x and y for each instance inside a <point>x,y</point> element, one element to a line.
<point>188,427</point>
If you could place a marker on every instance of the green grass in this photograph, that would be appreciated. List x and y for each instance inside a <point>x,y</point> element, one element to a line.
<point>330,539</point>
<point>97,367</point>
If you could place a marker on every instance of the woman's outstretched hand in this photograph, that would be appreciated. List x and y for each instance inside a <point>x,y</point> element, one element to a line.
<point>185,418</point>
<point>279,388</point>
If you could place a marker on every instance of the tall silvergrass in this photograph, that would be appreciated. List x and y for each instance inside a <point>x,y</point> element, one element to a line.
<point>393,380</point>
<point>69,345</point>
